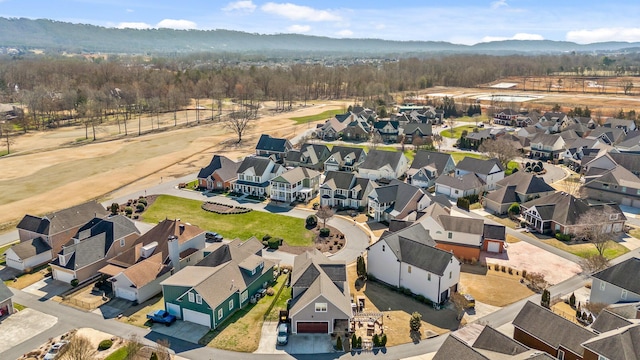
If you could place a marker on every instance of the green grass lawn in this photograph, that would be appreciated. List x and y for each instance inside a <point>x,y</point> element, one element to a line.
<point>119,354</point>
<point>3,249</point>
<point>457,131</point>
<point>470,119</point>
<point>192,184</point>
<point>18,307</point>
<point>243,226</point>
<point>317,117</point>
<point>613,249</point>
<point>457,156</point>
<point>280,304</point>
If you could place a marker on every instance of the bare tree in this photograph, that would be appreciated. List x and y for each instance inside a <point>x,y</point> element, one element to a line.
<point>594,263</point>
<point>437,140</point>
<point>595,307</point>
<point>162,350</point>
<point>571,185</point>
<point>79,348</point>
<point>375,140</point>
<point>500,149</point>
<point>5,135</point>
<point>592,227</point>
<point>324,213</point>
<point>460,303</point>
<point>133,345</point>
<point>239,122</point>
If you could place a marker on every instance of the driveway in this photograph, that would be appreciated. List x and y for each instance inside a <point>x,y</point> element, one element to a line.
<point>308,344</point>
<point>113,308</point>
<point>268,339</point>
<point>284,258</point>
<point>183,330</point>
<point>22,326</point>
<point>47,288</point>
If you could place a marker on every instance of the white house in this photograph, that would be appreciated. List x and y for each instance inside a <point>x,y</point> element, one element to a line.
<point>384,165</point>
<point>28,254</point>
<point>459,186</point>
<point>408,258</point>
<point>490,171</point>
<point>345,189</point>
<point>296,184</point>
<point>617,284</point>
<point>255,175</point>
<point>397,201</point>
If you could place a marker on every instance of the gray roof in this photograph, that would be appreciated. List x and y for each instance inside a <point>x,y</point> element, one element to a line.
<point>526,183</point>
<point>423,158</point>
<point>503,195</point>
<point>271,144</point>
<point>454,348</point>
<point>5,292</point>
<point>478,166</point>
<point>460,224</point>
<point>296,174</point>
<point>546,139</point>
<point>227,169</point>
<point>607,321</point>
<point>402,196</point>
<point>63,220</point>
<point>618,123</point>
<point>308,265</point>
<point>619,275</point>
<point>339,179</point>
<point>630,161</point>
<point>465,182</point>
<point>619,344</point>
<point>421,128</point>
<point>377,159</point>
<point>258,163</point>
<point>618,175</point>
<point>613,134</point>
<point>493,340</point>
<point>27,249</point>
<point>494,232</point>
<point>566,209</point>
<point>550,328</point>
<point>343,151</point>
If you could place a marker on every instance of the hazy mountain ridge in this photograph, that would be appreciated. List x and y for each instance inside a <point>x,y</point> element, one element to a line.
<point>61,36</point>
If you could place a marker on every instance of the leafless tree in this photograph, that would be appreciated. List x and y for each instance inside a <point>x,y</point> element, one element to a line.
<point>500,149</point>
<point>239,122</point>
<point>375,140</point>
<point>627,87</point>
<point>460,303</point>
<point>594,263</point>
<point>133,345</point>
<point>325,213</point>
<point>537,282</point>
<point>162,350</point>
<point>592,226</point>
<point>572,185</point>
<point>5,135</point>
<point>595,307</point>
<point>79,348</point>
<point>437,140</point>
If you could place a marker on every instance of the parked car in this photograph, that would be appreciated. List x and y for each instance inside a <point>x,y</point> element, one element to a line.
<point>471,301</point>
<point>55,349</point>
<point>261,293</point>
<point>213,236</point>
<point>161,317</point>
<point>283,333</point>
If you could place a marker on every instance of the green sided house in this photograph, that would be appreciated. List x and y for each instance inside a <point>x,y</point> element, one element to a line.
<point>223,282</point>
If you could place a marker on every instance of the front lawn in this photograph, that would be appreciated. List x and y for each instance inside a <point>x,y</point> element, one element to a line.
<point>139,318</point>
<point>494,288</point>
<point>241,332</point>
<point>242,226</point>
<point>613,249</point>
<point>457,156</point>
<point>120,354</point>
<point>456,132</point>
<point>317,117</point>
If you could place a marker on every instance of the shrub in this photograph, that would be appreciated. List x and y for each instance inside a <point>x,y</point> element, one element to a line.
<point>273,243</point>
<point>415,321</point>
<point>406,291</point>
<point>420,298</point>
<point>115,208</point>
<point>339,343</point>
<point>270,291</point>
<point>266,237</point>
<point>359,342</point>
<point>74,282</point>
<point>563,237</point>
<point>105,344</point>
<point>524,274</point>
<point>324,232</point>
<point>383,340</point>
<point>312,221</point>
<point>496,267</point>
<point>463,203</point>
<point>354,341</point>
<point>140,207</point>
<point>142,201</point>
<point>510,271</point>
<point>376,340</point>
<point>128,210</point>
<point>572,300</point>
<point>503,268</point>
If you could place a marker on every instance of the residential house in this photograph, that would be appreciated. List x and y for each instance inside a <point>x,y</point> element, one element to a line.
<point>345,190</point>
<point>506,117</point>
<point>475,138</point>
<point>311,156</point>
<point>579,128</point>
<point>617,284</point>
<point>630,143</point>
<point>530,119</point>
<point>530,132</point>
<point>618,185</point>
<point>518,187</point>
<point>344,158</point>
<point>619,343</point>
<point>320,298</point>
<point>410,259</point>
<point>539,328</point>
<point>590,123</point>
<point>630,161</point>
<point>297,184</point>
<point>560,120</point>
<point>626,125</point>
<point>608,320</point>
<point>332,129</point>
<point>381,164</point>
<point>454,186</point>
<point>427,166</point>
<point>494,238</point>
<point>277,147</point>
<point>547,147</point>
<point>490,170</point>
<point>397,201</point>
<point>219,174</point>
<point>357,130</point>
<point>222,283</point>
<point>6,300</point>
<point>610,136</point>
<point>416,130</point>
<point>93,245</point>
<point>136,273</point>
<point>388,130</point>
<point>58,227</point>
<point>28,255</point>
<point>561,212</point>
<point>255,174</point>
<point>489,344</point>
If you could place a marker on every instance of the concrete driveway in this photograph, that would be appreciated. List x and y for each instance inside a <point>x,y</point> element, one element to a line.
<point>22,326</point>
<point>47,288</point>
<point>183,330</point>
<point>113,308</point>
<point>268,339</point>
<point>308,344</point>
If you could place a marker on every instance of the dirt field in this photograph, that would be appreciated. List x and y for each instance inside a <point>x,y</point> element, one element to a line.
<point>47,174</point>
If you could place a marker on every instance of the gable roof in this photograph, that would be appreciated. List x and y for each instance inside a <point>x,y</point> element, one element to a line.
<point>526,183</point>
<point>618,275</point>
<point>424,158</point>
<point>63,220</point>
<point>494,232</point>
<point>619,344</point>
<point>454,348</point>
<point>560,207</point>
<point>467,181</point>
<point>5,292</point>
<point>377,159</point>
<point>338,179</point>
<point>146,271</point>
<point>503,195</point>
<point>423,129</point>
<point>630,161</point>
<point>460,224</point>
<point>403,197</point>
<point>27,249</point>
<point>478,166</point>
<point>493,340</point>
<point>225,167</point>
<point>607,321</point>
<point>344,151</point>
<point>258,163</point>
<point>618,175</point>
<point>296,174</point>
<point>380,124</point>
<point>543,324</point>
<point>547,139</point>
<point>271,144</point>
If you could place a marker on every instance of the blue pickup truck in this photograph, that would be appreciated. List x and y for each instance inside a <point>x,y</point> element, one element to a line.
<point>161,317</point>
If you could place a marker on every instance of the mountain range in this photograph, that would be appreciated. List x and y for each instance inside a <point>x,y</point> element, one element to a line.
<point>56,36</point>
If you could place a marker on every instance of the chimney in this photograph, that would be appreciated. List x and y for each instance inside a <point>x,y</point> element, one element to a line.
<point>174,252</point>
<point>181,226</point>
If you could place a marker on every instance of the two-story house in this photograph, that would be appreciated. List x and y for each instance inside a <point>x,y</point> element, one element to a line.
<point>625,125</point>
<point>255,174</point>
<point>397,201</point>
<point>618,185</point>
<point>617,284</point>
<point>345,189</point>
<point>388,130</point>
<point>219,174</point>
<point>311,156</point>
<point>490,170</point>
<point>416,130</point>
<point>277,147</point>
<point>332,129</point>
<point>506,117</point>
<point>344,158</point>
<point>547,147</point>
<point>518,187</point>
<point>427,166</point>
<point>610,136</point>
<point>297,184</point>
<point>381,164</point>
<point>357,130</point>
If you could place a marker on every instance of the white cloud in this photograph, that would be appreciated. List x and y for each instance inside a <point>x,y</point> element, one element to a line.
<point>299,28</point>
<point>518,36</point>
<point>133,25</point>
<point>129,10</point>
<point>604,34</point>
<point>241,5</point>
<point>345,33</point>
<point>499,3</point>
<point>297,12</point>
<point>380,26</point>
<point>177,24</point>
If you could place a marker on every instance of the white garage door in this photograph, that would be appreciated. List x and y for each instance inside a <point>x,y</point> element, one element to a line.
<point>493,246</point>
<point>636,203</point>
<point>617,227</point>
<point>196,317</point>
<point>127,294</point>
<point>63,276</point>
<point>626,201</point>
<point>174,310</point>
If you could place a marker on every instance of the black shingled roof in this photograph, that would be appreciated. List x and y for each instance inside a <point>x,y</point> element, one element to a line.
<point>623,275</point>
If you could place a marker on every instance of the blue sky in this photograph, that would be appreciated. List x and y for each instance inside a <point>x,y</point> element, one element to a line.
<point>462,22</point>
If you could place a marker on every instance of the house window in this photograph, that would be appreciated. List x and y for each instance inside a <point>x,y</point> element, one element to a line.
<point>450,273</point>
<point>613,216</point>
<point>450,235</point>
<point>560,355</point>
<point>638,192</point>
<point>383,247</point>
<point>122,242</point>
<point>602,285</point>
<point>198,299</point>
<point>623,296</point>
<point>230,304</point>
<point>456,191</point>
<point>409,269</point>
<point>244,296</point>
<point>191,297</point>
<point>624,189</point>
<point>600,357</point>
<point>321,307</point>
<point>605,186</point>
<point>428,276</point>
<point>220,314</point>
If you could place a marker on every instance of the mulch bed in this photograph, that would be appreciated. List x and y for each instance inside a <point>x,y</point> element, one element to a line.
<point>331,244</point>
<point>223,208</point>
